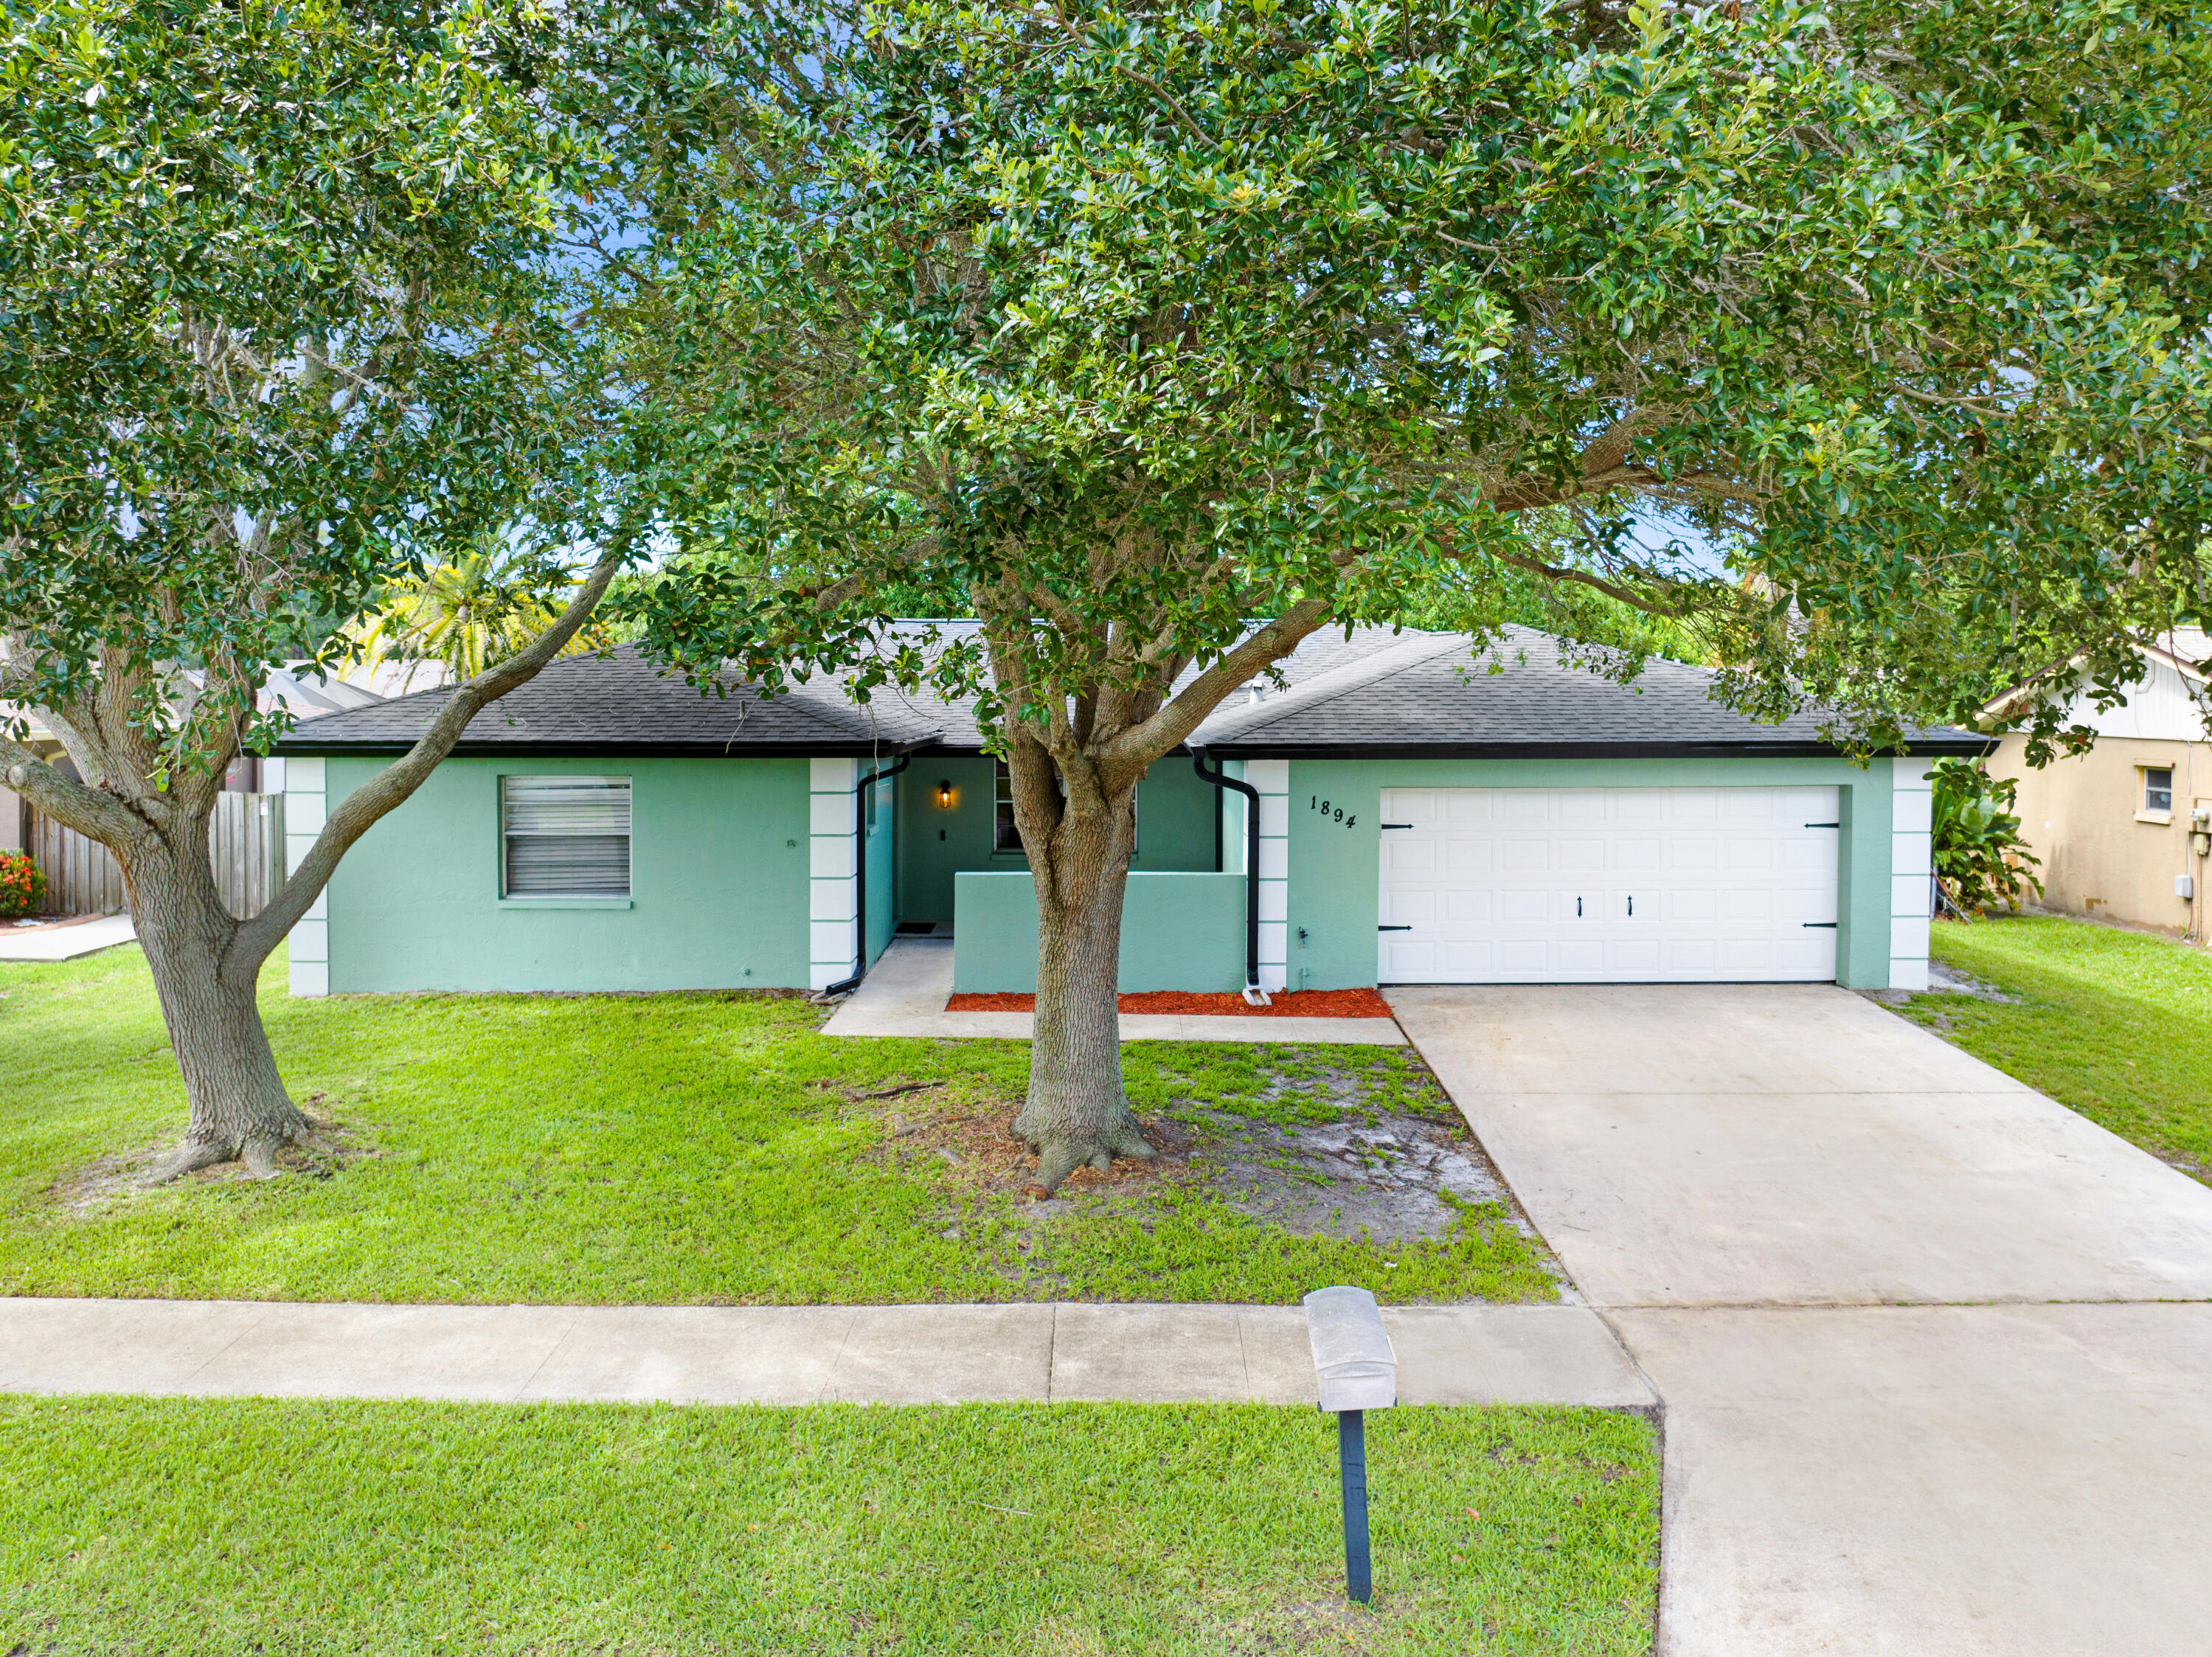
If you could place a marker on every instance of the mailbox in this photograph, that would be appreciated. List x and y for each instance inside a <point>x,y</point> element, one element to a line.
<point>1355,1370</point>
<point>1353,1360</point>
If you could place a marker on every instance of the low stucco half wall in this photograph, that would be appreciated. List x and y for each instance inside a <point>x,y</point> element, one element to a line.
<point>1179,931</point>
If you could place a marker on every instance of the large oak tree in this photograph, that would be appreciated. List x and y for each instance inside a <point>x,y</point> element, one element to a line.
<point>1163,337</point>
<point>282,317</point>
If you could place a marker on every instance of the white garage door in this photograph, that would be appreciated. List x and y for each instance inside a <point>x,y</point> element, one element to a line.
<point>1608,885</point>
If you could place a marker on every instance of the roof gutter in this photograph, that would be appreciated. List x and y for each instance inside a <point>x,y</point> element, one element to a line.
<point>1254,995</point>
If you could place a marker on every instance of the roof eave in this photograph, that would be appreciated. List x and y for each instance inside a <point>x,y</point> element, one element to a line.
<point>297,747</point>
<point>1588,750</point>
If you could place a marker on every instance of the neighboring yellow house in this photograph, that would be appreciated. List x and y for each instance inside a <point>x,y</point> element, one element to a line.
<point>2122,830</point>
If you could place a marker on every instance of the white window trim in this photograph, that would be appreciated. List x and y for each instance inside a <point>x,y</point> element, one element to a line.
<point>509,897</point>
<point>2145,811</point>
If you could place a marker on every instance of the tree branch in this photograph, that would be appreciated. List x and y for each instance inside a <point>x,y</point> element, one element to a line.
<point>69,803</point>
<point>390,788</point>
<point>1141,744</point>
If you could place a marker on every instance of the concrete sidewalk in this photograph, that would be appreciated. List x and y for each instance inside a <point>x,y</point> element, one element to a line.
<point>1467,1354</point>
<point>65,943</point>
<point>905,992</point>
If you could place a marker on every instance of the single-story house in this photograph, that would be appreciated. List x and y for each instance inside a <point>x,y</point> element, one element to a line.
<point>2123,829</point>
<point>1423,816</point>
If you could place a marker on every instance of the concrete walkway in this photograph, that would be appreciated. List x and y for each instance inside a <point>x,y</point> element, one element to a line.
<point>905,992</point>
<point>1841,1250</point>
<point>790,1355</point>
<point>65,943</point>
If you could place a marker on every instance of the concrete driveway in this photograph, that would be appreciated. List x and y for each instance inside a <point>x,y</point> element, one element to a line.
<point>1934,1352</point>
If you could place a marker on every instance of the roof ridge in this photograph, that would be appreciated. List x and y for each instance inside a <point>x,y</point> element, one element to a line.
<point>1408,651</point>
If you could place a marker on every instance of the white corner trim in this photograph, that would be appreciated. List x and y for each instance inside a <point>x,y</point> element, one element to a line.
<point>833,867</point>
<point>1911,859</point>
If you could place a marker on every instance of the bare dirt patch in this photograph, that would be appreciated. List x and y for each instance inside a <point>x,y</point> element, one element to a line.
<point>1391,1175</point>
<point>1284,1003</point>
<point>115,1177</point>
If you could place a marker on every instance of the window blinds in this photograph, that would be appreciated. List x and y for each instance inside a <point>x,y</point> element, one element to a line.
<point>567,836</point>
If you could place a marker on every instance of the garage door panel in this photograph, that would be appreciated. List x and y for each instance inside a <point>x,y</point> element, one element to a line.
<point>1520,855</point>
<point>1416,807</point>
<point>1693,957</point>
<point>1803,855</point>
<point>1468,857</point>
<point>1698,852</point>
<point>1747,856</point>
<point>1466,962</point>
<point>1522,906</point>
<point>1800,904</point>
<point>1640,852</point>
<point>1475,907</point>
<point>1511,885</point>
<point>1740,904</point>
<point>1466,808</point>
<point>1812,955</point>
<point>1411,858</point>
<point>1580,856</point>
<point>1691,904</point>
<point>1411,906</point>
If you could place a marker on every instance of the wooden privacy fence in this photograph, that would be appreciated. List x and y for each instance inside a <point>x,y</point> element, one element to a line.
<point>246,848</point>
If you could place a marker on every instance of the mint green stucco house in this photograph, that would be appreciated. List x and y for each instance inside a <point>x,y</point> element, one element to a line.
<point>1423,817</point>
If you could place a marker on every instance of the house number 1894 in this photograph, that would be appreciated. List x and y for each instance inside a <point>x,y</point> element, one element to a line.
<point>1334,814</point>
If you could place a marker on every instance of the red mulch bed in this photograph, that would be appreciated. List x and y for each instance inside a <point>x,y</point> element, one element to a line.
<point>1286,1004</point>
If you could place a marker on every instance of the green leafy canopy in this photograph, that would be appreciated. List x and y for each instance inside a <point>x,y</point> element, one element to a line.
<point>282,315</point>
<point>1135,326</point>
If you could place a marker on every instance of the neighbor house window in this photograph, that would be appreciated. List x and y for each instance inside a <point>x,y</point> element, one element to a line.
<point>565,837</point>
<point>1007,838</point>
<point>2158,788</point>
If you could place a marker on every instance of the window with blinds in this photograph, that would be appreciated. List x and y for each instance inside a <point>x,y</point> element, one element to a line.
<point>565,837</point>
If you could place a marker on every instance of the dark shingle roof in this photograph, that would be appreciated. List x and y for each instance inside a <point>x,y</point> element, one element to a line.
<point>1379,693</point>
<point>619,703</point>
<point>1430,693</point>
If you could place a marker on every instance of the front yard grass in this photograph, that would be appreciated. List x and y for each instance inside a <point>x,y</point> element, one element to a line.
<point>693,1149</point>
<point>2115,1025</point>
<point>218,1527</point>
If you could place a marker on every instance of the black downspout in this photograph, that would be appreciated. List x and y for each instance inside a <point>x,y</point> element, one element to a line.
<point>1252,993</point>
<point>860,872</point>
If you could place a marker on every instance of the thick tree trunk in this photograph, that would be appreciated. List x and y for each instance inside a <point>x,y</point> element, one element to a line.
<point>240,1107</point>
<point>1077,1112</point>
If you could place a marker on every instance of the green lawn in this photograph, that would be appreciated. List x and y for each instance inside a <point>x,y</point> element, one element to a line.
<point>1044,1531</point>
<point>696,1148</point>
<point>2116,1024</point>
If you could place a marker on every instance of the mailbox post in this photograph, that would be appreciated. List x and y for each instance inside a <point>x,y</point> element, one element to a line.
<point>1356,1371</point>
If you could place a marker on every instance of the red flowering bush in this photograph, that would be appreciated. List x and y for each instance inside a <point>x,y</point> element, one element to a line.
<point>22,885</point>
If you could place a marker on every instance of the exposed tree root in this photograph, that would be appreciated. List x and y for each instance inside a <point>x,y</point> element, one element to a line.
<point>1059,1157</point>
<point>258,1152</point>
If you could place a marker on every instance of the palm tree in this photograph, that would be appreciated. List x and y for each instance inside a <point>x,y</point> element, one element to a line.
<point>467,614</point>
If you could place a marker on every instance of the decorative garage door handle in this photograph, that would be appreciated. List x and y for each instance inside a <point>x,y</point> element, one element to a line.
<point>1397,825</point>
<point>1824,825</point>
<point>1820,923</point>
<point>1393,929</point>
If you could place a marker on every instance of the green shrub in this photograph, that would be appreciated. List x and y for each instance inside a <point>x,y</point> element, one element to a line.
<point>1981,861</point>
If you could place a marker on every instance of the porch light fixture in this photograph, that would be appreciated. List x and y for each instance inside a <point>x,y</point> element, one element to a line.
<point>944,796</point>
